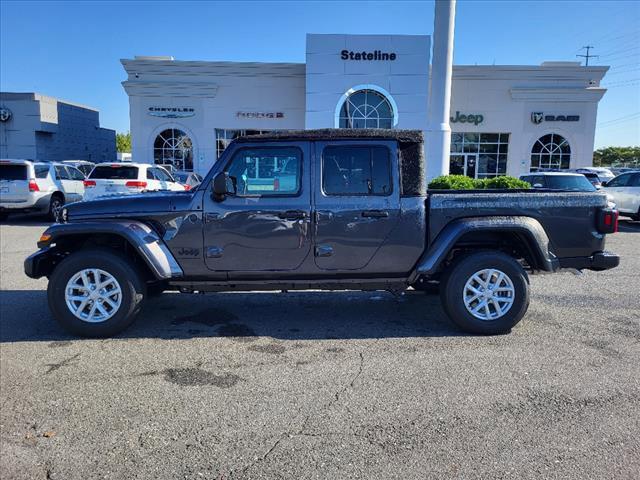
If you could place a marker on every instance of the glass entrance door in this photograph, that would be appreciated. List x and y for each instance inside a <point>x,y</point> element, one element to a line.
<point>464,164</point>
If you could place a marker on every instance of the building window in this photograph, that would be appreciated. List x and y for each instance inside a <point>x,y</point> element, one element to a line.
<point>550,152</point>
<point>173,147</point>
<point>225,136</point>
<point>366,108</point>
<point>479,155</point>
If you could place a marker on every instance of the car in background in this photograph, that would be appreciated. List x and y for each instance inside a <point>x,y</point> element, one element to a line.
<point>190,180</point>
<point>108,179</point>
<point>620,170</point>
<point>593,178</point>
<point>169,167</point>
<point>576,182</point>
<point>84,166</point>
<point>625,190</point>
<point>28,186</point>
<point>604,174</point>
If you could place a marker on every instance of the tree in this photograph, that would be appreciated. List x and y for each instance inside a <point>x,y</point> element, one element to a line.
<point>623,156</point>
<point>123,142</point>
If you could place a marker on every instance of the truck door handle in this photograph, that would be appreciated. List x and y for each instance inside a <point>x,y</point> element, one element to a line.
<point>293,215</point>
<point>375,213</point>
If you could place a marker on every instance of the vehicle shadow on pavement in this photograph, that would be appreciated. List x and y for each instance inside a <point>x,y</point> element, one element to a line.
<point>629,226</point>
<point>25,316</point>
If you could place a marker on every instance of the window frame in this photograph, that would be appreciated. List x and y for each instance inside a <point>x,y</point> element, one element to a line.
<point>351,145</point>
<point>269,147</point>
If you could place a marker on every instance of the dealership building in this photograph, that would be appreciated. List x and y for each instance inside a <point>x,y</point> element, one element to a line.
<point>40,127</point>
<point>505,119</point>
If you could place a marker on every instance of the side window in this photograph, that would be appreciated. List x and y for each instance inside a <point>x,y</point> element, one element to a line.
<point>267,171</point>
<point>162,175</point>
<point>150,175</point>
<point>61,173</point>
<point>356,170</point>
<point>75,173</point>
<point>620,181</point>
<point>635,180</point>
<point>41,171</point>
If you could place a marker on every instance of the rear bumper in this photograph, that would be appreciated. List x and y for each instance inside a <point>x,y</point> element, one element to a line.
<point>33,202</point>
<point>598,261</point>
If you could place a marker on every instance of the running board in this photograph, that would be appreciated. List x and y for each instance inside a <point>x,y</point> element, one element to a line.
<point>392,284</point>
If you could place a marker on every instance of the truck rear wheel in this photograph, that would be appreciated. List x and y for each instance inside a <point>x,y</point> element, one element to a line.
<point>95,293</point>
<point>485,292</point>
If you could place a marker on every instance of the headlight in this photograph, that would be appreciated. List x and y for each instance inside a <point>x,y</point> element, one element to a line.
<point>64,215</point>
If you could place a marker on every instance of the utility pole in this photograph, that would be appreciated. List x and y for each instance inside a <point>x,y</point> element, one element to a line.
<point>587,56</point>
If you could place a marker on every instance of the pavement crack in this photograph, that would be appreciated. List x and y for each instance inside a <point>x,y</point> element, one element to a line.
<point>290,432</point>
<point>55,366</point>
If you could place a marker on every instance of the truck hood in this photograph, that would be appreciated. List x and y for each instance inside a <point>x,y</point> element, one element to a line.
<point>128,205</point>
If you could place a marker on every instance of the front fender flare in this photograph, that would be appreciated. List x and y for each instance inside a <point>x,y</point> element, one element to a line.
<point>528,227</point>
<point>140,236</point>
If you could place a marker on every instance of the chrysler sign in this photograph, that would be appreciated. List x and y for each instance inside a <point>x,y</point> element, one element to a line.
<point>172,112</point>
<point>539,117</point>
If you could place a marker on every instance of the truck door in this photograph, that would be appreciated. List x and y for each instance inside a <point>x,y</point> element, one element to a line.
<point>264,226</point>
<point>356,202</point>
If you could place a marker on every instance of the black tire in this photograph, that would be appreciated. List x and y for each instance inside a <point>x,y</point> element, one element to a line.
<point>453,286</point>
<point>55,205</point>
<point>131,284</point>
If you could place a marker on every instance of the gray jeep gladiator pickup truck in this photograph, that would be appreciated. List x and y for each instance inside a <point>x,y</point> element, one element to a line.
<point>318,209</point>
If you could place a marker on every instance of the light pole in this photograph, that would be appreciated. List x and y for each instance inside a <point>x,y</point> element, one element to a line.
<point>438,135</point>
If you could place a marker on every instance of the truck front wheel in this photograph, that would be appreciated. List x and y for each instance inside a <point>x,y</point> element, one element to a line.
<point>95,293</point>
<point>485,292</point>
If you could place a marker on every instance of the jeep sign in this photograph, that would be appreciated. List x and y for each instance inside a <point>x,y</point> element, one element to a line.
<point>474,118</point>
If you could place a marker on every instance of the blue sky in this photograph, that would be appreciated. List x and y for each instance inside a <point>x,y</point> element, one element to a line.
<point>72,49</point>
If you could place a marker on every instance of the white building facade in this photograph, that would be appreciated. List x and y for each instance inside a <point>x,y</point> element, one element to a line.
<point>504,119</point>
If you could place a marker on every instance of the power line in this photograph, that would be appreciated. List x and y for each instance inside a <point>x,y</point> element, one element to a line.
<point>587,56</point>
<point>620,118</point>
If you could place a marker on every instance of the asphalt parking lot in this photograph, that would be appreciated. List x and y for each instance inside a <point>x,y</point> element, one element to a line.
<point>324,385</point>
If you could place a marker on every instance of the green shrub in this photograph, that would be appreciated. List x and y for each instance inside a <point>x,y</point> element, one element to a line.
<point>505,183</point>
<point>451,182</point>
<point>462,182</point>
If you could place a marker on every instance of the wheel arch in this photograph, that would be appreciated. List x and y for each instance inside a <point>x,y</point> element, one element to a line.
<point>519,236</point>
<point>135,239</point>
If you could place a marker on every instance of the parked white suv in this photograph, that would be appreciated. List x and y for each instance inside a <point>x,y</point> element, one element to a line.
<point>38,186</point>
<point>108,179</point>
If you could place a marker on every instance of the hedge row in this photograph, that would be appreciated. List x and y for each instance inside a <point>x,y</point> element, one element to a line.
<point>462,182</point>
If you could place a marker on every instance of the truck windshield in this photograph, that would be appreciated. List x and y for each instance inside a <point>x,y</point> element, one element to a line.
<point>13,172</point>
<point>577,183</point>
<point>114,172</point>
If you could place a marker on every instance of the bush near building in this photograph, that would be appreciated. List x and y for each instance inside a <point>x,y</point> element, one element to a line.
<point>462,182</point>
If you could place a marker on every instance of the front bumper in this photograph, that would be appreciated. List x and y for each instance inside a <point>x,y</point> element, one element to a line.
<point>598,261</point>
<point>40,263</point>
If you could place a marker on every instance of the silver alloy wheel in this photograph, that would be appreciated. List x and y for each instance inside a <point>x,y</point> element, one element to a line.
<point>93,295</point>
<point>56,207</point>
<point>488,294</point>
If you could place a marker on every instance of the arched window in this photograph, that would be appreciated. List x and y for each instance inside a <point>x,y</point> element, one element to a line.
<point>173,146</point>
<point>551,151</point>
<point>366,108</point>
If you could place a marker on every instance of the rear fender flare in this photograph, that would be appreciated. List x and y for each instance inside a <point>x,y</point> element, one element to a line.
<point>529,228</point>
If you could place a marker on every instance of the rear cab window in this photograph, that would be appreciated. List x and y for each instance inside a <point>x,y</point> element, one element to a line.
<point>13,171</point>
<point>114,172</point>
<point>356,170</point>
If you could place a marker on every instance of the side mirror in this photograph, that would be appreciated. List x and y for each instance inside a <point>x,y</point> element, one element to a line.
<point>604,183</point>
<point>223,185</point>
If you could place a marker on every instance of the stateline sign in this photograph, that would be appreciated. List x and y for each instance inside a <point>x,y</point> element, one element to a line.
<point>376,55</point>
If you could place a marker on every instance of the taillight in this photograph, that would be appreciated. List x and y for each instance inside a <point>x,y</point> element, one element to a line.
<point>89,183</point>
<point>187,187</point>
<point>607,220</point>
<point>136,184</point>
<point>276,184</point>
<point>33,186</point>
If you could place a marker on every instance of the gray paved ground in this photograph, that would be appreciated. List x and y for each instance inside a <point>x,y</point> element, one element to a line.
<point>321,385</point>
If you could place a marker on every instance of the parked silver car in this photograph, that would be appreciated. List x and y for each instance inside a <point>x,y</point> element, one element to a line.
<point>27,186</point>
